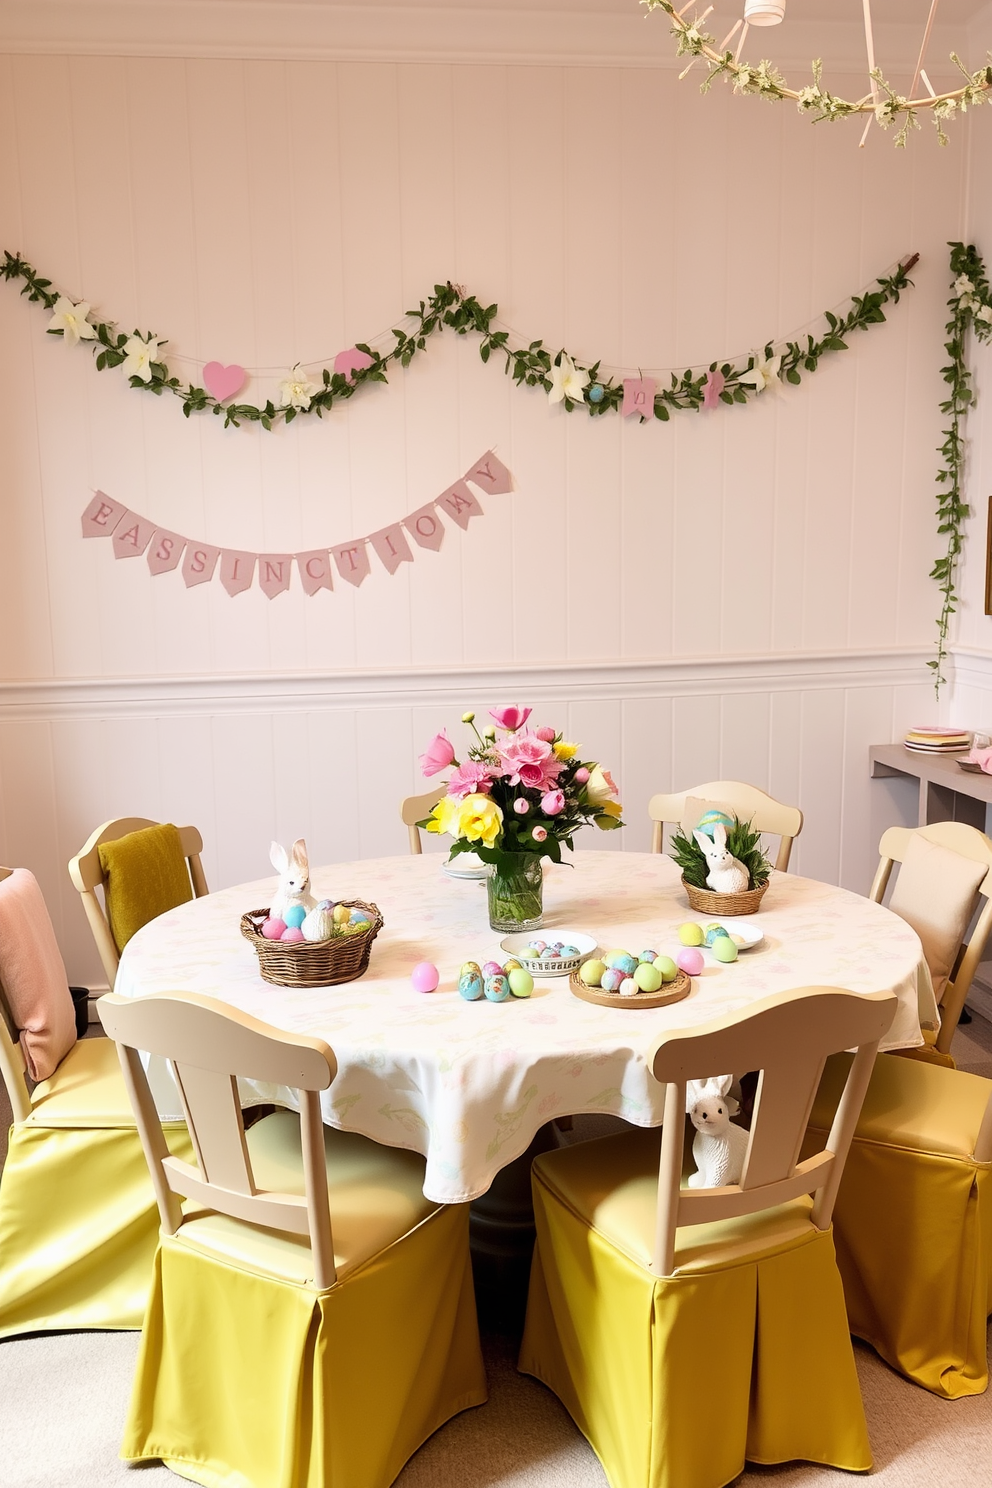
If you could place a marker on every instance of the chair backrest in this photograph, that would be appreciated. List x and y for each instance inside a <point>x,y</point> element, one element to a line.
<point>788,1038</point>
<point>209,1044</point>
<point>745,801</point>
<point>967,842</point>
<point>87,875</point>
<point>13,1068</point>
<point>414,809</point>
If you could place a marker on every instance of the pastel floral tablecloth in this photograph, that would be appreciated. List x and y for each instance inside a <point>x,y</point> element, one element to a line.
<point>469,1084</point>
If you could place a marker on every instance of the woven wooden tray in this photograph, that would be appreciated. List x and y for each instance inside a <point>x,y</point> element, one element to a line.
<point>704,901</point>
<point>305,964</point>
<point>670,992</point>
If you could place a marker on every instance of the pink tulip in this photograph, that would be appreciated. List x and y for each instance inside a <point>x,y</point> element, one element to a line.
<point>540,834</point>
<point>438,755</point>
<point>581,775</point>
<point>510,719</point>
<point>552,803</point>
<point>547,734</point>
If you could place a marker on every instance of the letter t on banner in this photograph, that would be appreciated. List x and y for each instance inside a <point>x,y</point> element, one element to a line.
<point>352,560</point>
<point>424,527</point>
<point>391,547</point>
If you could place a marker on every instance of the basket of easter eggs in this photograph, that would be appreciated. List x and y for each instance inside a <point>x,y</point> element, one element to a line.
<point>333,943</point>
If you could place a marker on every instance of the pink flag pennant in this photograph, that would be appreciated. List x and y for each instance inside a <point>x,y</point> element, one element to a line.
<point>199,562</point>
<point>424,526</point>
<point>490,475</point>
<point>352,560</point>
<point>237,570</point>
<point>132,535</point>
<point>460,504</point>
<point>638,396</point>
<point>347,363</point>
<point>315,570</point>
<point>713,387</point>
<point>391,547</point>
<point>164,551</point>
<point>274,571</point>
<point>102,516</point>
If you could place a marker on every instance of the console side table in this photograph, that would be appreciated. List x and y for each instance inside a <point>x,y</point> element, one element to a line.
<point>947,793</point>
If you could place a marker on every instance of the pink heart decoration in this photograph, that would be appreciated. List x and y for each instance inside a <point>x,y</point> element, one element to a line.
<point>350,362</point>
<point>223,381</point>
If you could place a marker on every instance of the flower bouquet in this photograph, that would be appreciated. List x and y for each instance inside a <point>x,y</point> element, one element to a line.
<point>519,795</point>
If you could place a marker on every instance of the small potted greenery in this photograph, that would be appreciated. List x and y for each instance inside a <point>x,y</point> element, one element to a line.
<point>743,844</point>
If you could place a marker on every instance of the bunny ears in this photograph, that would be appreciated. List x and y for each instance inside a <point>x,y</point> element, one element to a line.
<point>280,859</point>
<point>715,1087</point>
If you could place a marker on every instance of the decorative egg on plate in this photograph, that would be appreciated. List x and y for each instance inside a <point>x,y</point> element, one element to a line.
<point>691,934</point>
<point>724,948</point>
<point>665,964</point>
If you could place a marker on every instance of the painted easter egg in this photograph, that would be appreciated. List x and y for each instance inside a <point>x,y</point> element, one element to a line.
<point>537,946</point>
<point>724,948</point>
<point>611,979</point>
<point>597,393</point>
<point>712,819</point>
<point>512,965</point>
<point>521,983</point>
<point>691,961</point>
<point>472,967</point>
<point>491,968</point>
<point>358,914</point>
<point>669,971</point>
<point>292,934</point>
<point>425,977</point>
<point>611,956</point>
<point>628,987</point>
<point>294,916</point>
<point>591,972</point>
<point>470,986</point>
<point>648,956</point>
<point>272,929</point>
<point>496,987</point>
<point>342,914</point>
<point>626,964</point>
<point>691,934</point>
<point>647,976</point>
<point>569,951</point>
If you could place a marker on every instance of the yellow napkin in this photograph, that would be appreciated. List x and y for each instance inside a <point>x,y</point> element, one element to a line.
<point>145,874</point>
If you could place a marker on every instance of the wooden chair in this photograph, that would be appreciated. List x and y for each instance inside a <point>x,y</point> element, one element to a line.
<point>414,809</point>
<point>744,801</point>
<point>688,1330</point>
<point>913,1220</point>
<point>87,875</point>
<point>273,1340</point>
<point>972,845</point>
<point>78,1221</point>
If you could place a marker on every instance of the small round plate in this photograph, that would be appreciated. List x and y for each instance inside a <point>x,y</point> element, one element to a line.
<point>466,865</point>
<point>516,944</point>
<point>744,933</point>
<point>670,992</point>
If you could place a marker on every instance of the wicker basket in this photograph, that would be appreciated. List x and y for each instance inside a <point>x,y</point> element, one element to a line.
<point>308,964</point>
<point>704,901</point>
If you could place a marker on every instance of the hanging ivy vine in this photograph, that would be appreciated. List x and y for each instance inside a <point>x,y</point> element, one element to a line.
<point>970,305</point>
<point>566,380</point>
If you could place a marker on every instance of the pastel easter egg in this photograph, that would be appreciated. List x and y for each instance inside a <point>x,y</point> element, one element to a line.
<point>551,955</point>
<point>531,953</point>
<point>537,946</point>
<point>556,945</point>
<point>591,972</point>
<point>648,956</point>
<point>497,988</point>
<point>294,916</point>
<point>520,982</point>
<point>292,934</point>
<point>626,964</point>
<point>669,971</point>
<point>597,393</point>
<point>628,987</point>
<point>470,986</point>
<point>512,965</point>
<point>612,979</point>
<point>647,976</point>
<point>691,934</point>
<point>491,968</point>
<point>358,914</point>
<point>724,948</point>
<point>611,956</point>
<point>691,961</point>
<point>712,819</point>
<point>470,967</point>
<point>568,951</point>
<point>425,977</point>
<point>342,914</point>
<point>272,929</point>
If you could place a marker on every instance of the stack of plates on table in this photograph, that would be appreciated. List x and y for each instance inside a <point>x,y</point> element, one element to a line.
<point>937,740</point>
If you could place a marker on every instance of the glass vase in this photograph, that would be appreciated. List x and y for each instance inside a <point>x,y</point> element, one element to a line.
<point>516,896</point>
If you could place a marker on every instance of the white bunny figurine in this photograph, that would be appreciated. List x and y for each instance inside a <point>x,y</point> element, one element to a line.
<point>718,1147</point>
<point>294,879</point>
<point>727,874</point>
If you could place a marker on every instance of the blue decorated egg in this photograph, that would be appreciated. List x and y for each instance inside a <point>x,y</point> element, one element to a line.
<point>648,956</point>
<point>497,988</point>
<point>470,986</point>
<point>294,916</point>
<point>626,964</point>
<point>711,819</point>
<point>597,393</point>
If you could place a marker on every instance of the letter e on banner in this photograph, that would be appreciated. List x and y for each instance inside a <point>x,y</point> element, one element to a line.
<point>459,503</point>
<point>102,516</point>
<point>352,560</point>
<point>391,547</point>
<point>237,570</point>
<point>274,572</point>
<point>164,551</point>
<point>199,563</point>
<point>491,475</point>
<point>315,570</point>
<point>132,535</point>
<point>424,526</point>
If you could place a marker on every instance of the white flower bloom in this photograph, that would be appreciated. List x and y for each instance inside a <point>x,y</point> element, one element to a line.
<point>809,98</point>
<point>567,381</point>
<point>763,374</point>
<point>71,320</point>
<point>965,290</point>
<point>985,313</point>
<point>139,355</point>
<point>296,390</point>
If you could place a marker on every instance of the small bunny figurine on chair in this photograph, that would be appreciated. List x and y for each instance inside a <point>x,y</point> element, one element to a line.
<point>294,879</point>
<point>727,874</point>
<point>718,1146</point>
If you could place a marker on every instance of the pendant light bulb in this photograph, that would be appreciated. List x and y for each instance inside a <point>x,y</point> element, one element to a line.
<point>764,12</point>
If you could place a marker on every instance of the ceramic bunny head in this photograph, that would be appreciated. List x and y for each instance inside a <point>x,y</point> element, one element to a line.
<point>727,874</point>
<point>709,1104</point>
<point>294,878</point>
<point>719,1147</point>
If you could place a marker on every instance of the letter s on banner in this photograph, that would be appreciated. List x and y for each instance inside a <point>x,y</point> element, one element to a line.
<point>164,551</point>
<point>199,563</point>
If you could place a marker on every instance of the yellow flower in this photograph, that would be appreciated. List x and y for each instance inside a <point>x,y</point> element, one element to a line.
<point>611,808</point>
<point>600,787</point>
<point>445,816</point>
<point>479,819</point>
<point>565,751</point>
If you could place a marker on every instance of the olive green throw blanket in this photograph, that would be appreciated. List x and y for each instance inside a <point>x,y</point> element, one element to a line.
<point>145,874</point>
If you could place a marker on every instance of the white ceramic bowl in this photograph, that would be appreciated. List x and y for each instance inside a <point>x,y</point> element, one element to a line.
<point>515,945</point>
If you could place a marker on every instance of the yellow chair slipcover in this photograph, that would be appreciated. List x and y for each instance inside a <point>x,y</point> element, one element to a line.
<point>913,1219</point>
<point>678,1364</point>
<point>257,1372</point>
<point>78,1220</point>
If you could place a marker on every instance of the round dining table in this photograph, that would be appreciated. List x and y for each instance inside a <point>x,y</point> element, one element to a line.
<point>470,1084</point>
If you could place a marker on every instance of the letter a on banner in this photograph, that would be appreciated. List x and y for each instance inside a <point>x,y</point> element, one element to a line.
<point>459,503</point>
<point>132,535</point>
<point>424,526</point>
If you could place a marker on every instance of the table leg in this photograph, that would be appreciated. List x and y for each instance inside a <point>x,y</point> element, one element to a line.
<point>501,1231</point>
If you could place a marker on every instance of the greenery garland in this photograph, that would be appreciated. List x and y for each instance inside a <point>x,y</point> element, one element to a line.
<point>765,81</point>
<point>565,380</point>
<point>970,305</point>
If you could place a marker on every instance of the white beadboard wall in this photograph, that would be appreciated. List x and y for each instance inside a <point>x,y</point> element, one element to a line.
<point>742,593</point>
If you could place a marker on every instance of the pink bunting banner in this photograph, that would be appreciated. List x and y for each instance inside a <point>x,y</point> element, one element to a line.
<point>638,396</point>
<point>132,535</point>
